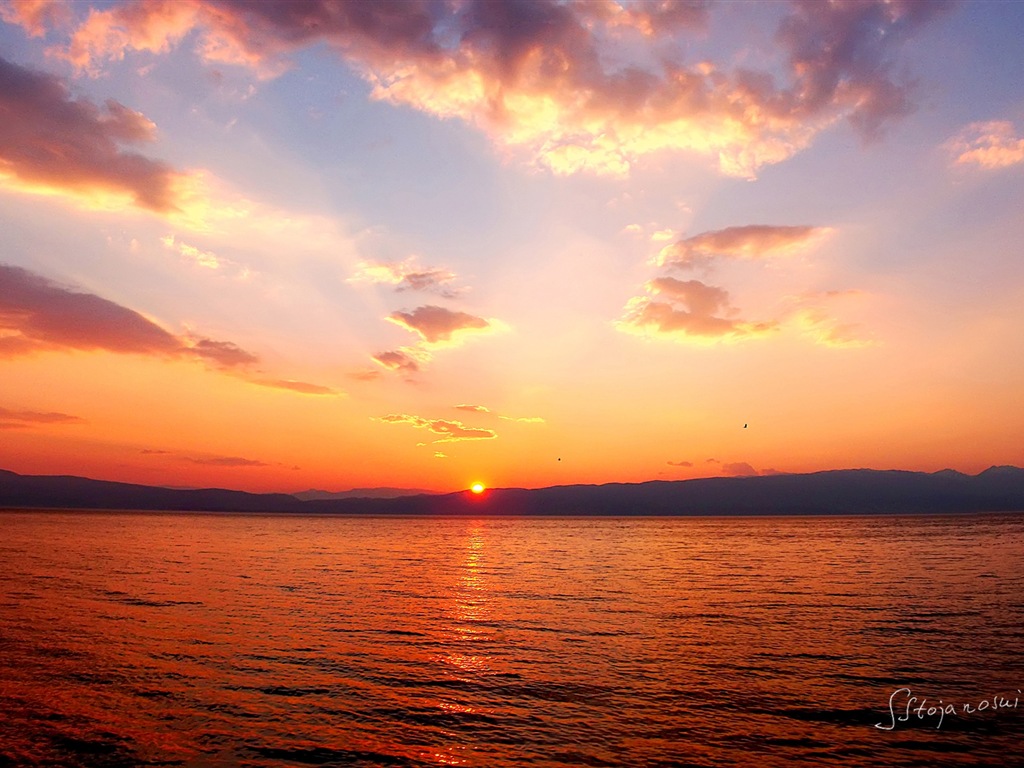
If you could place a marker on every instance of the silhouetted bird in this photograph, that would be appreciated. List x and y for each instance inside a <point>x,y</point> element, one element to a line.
<point>744,426</point>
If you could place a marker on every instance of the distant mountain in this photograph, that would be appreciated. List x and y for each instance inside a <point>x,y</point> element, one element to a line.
<point>359,493</point>
<point>836,492</point>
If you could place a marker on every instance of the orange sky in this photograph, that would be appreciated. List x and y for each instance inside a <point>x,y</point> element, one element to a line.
<point>280,247</point>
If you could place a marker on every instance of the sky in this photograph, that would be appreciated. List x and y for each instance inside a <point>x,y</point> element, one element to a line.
<point>287,245</point>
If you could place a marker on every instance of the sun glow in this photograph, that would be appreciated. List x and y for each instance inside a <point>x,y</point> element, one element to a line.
<point>477,487</point>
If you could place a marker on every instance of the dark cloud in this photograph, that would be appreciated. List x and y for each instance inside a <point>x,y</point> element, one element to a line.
<point>49,140</point>
<point>680,463</point>
<point>842,54</point>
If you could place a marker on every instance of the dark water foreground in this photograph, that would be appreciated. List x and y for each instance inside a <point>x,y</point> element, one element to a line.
<point>147,639</point>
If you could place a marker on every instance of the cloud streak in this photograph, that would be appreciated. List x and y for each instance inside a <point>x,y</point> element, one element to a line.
<point>302,387</point>
<point>12,419</point>
<point>450,431</point>
<point>229,461</point>
<point>560,82</point>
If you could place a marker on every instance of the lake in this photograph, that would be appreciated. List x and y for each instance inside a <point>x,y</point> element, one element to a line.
<point>131,639</point>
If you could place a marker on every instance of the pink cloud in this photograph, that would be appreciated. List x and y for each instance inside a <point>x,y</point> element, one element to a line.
<point>226,354</point>
<point>556,79</point>
<point>37,315</point>
<point>691,310</point>
<point>753,241</point>
<point>49,141</point>
<point>36,16</point>
<point>993,144</point>
<point>437,324</point>
<point>397,360</point>
<point>42,315</point>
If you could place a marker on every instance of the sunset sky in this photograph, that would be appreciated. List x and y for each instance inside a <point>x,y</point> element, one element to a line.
<point>289,245</point>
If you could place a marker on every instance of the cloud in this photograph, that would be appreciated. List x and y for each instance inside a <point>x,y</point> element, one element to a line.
<point>207,259</point>
<point>472,408</point>
<point>680,463</point>
<point>226,354</point>
<point>692,311</point>
<point>451,431</point>
<point>484,409</point>
<point>154,452</point>
<point>524,419</point>
<point>753,241</point>
<point>437,324</point>
<point>229,461</point>
<point>37,315</point>
<point>567,84</point>
<point>301,387</point>
<point>36,16</point>
<point>12,419</point>
<point>405,276</point>
<point>405,360</point>
<point>53,144</point>
<point>650,19</point>
<point>991,145</point>
<point>738,469</point>
<point>813,315</point>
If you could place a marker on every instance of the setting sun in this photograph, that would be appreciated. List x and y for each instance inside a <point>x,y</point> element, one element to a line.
<point>477,487</point>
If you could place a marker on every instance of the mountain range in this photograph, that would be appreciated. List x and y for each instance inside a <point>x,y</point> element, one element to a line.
<point>833,492</point>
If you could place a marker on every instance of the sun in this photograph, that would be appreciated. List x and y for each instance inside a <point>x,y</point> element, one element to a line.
<point>477,488</point>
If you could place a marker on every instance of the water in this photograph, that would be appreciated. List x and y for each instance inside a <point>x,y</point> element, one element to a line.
<point>223,640</point>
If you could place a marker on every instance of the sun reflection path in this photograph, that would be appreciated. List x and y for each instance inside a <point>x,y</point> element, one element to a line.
<point>463,660</point>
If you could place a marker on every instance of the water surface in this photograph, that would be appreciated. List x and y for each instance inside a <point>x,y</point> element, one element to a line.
<point>220,640</point>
